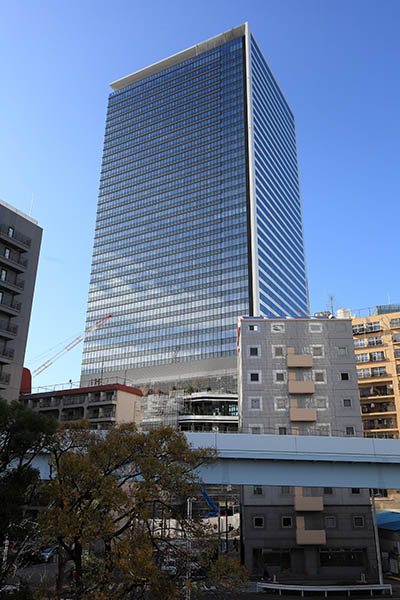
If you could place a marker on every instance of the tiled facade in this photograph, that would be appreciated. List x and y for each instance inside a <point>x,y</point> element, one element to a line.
<point>298,377</point>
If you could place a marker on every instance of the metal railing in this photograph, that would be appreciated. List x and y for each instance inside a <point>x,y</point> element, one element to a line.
<point>10,328</point>
<point>16,235</point>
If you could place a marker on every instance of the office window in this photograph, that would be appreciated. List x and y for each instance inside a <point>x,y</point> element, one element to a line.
<point>375,326</point>
<point>258,522</point>
<point>357,329</point>
<point>328,491</point>
<point>397,353</point>
<point>363,373</point>
<point>330,522</point>
<point>350,430</point>
<point>277,328</point>
<point>396,338</point>
<point>257,490</point>
<point>344,376</point>
<point>342,350</point>
<point>375,341</point>
<point>255,403</point>
<point>358,521</point>
<point>277,351</point>
<point>360,342</point>
<point>395,323</point>
<point>11,232</point>
<point>3,274</point>
<point>355,491</point>
<point>378,371</point>
<point>347,402</point>
<point>317,351</point>
<point>254,351</point>
<point>286,522</point>
<point>253,327</point>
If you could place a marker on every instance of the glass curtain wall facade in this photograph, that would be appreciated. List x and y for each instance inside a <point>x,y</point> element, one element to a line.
<point>176,240</point>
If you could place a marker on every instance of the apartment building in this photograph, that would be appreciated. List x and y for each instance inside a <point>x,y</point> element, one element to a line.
<point>377,350</point>
<point>20,239</point>
<point>102,405</point>
<point>298,377</point>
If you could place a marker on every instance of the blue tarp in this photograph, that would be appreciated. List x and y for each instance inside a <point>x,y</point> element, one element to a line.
<point>388,519</point>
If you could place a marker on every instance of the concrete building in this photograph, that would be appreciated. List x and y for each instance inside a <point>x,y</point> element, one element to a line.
<point>298,377</point>
<point>103,405</point>
<point>377,349</point>
<point>20,238</point>
<point>199,215</point>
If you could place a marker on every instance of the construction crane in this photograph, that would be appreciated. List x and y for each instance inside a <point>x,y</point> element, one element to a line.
<point>69,346</point>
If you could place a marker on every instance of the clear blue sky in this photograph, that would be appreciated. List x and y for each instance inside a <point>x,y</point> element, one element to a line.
<point>338,64</point>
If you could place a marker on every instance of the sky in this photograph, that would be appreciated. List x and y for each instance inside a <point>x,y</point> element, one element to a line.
<point>338,65</point>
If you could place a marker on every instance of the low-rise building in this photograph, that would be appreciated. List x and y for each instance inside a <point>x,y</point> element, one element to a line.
<point>298,377</point>
<point>102,405</point>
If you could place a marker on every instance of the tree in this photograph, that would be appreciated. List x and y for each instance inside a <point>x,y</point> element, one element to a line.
<point>24,435</point>
<point>118,493</point>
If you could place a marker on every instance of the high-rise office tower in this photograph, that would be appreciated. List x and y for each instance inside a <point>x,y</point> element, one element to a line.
<point>199,214</point>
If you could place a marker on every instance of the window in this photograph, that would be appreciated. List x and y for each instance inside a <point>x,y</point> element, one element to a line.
<point>255,429</point>
<point>285,490</point>
<point>3,274</point>
<point>253,351</point>
<point>357,329</point>
<point>258,522</point>
<point>378,371</point>
<point>347,402</point>
<point>255,403</point>
<point>7,252</point>
<point>277,351</point>
<point>358,521</point>
<point>1,297</point>
<point>397,353</point>
<point>360,342</point>
<point>254,377</point>
<point>350,430</point>
<point>355,490</point>
<point>344,376</point>
<point>323,429</point>
<point>280,376</point>
<point>375,356</point>
<point>286,522</point>
<point>317,351</point>
<point>319,376</point>
<point>315,327</point>
<point>398,369</point>
<point>375,341</point>
<point>375,326</point>
<point>330,522</point>
<point>342,351</point>
<point>322,403</point>
<point>396,338</point>
<point>277,328</point>
<point>328,491</point>
<point>363,373</point>
<point>253,327</point>
<point>280,403</point>
<point>362,358</point>
<point>395,323</point>
<point>257,490</point>
<point>10,232</point>
<point>282,430</point>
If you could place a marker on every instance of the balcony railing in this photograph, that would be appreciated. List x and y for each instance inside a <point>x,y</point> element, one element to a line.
<point>11,304</point>
<point>375,392</point>
<point>9,328</point>
<point>15,235</point>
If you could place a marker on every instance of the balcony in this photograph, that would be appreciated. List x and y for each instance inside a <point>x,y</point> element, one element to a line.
<point>301,387</point>
<point>16,285</point>
<point>303,414</point>
<point>309,537</point>
<point>49,402</point>
<point>376,392</point>
<point>10,306</point>
<point>378,408</point>
<point>7,330</point>
<point>308,503</point>
<point>14,236</point>
<point>73,400</point>
<point>15,261</point>
<point>295,361</point>
<point>7,354</point>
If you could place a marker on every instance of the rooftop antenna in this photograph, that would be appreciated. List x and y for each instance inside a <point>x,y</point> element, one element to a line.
<point>331,297</point>
<point>388,295</point>
<point>30,210</point>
